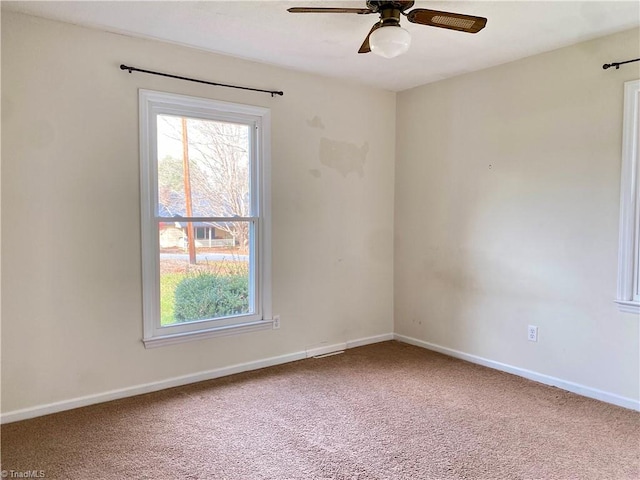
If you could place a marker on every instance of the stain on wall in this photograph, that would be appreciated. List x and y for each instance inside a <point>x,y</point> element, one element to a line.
<point>316,122</point>
<point>343,157</point>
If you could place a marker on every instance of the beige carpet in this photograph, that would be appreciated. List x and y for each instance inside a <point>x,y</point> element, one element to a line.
<point>385,411</point>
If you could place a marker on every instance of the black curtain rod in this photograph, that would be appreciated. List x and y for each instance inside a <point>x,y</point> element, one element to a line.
<point>134,69</point>
<point>617,64</point>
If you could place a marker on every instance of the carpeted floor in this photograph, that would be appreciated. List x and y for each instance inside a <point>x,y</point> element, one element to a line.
<point>385,411</point>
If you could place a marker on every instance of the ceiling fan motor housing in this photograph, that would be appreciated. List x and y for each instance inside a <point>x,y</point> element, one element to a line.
<point>390,17</point>
<point>381,5</point>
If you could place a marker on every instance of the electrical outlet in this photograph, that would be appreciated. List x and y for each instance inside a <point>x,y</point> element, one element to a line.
<point>532,333</point>
<point>276,322</point>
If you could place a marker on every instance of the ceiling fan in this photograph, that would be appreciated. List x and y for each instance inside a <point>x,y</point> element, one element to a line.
<point>390,42</point>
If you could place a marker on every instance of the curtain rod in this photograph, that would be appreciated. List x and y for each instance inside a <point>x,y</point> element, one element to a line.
<point>617,64</point>
<point>134,69</point>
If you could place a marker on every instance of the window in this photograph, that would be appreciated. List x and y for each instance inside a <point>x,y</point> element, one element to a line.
<point>629,253</point>
<point>205,217</point>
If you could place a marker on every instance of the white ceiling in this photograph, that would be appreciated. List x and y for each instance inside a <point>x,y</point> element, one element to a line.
<point>327,44</point>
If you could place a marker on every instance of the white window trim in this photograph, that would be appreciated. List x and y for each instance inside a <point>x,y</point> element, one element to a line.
<point>152,103</point>
<point>628,298</point>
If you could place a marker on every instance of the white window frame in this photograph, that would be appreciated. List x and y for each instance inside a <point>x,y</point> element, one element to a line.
<point>152,104</point>
<point>628,295</point>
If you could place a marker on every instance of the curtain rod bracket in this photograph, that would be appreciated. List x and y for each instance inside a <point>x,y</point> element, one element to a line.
<point>134,69</point>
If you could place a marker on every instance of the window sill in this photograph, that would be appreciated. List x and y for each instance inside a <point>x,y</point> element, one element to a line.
<point>161,341</point>
<point>628,306</point>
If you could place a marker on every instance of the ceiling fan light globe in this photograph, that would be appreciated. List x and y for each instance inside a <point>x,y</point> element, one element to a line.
<point>389,41</point>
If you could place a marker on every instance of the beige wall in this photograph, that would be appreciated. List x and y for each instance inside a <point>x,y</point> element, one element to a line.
<point>72,309</point>
<point>506,214</point>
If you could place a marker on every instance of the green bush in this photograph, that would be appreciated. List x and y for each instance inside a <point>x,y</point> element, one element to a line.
<point>210,296</point>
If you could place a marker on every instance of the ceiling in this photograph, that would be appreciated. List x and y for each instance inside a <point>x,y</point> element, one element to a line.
<point>327,44</point>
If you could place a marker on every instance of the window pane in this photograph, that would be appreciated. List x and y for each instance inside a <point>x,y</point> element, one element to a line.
<point>211,280</point>
<point>203,168</point>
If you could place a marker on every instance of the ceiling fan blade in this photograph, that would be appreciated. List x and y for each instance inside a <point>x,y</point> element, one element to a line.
<point>361,11</point>
<point>452,21</point>
<point>365,48</point>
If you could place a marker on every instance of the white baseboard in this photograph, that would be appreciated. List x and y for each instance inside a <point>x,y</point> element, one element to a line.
<point>529,374</point>
<point>26,413</point>
<point>47,409</point>
<point>369,340</point>
<point>50,408</point>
